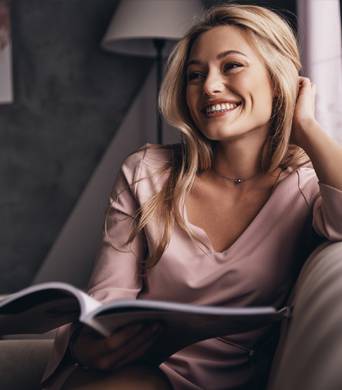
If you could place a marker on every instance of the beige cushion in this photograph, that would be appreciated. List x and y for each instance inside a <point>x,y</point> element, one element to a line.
<point>309,355</point>
<point>22,363</point>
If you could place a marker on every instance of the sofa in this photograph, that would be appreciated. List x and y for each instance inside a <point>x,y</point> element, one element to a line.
<point>308,354</point>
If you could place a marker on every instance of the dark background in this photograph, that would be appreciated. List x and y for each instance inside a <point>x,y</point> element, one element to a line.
<point>70,97</point>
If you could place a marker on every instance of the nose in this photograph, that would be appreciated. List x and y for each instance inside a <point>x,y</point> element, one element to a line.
<point>213,83</point>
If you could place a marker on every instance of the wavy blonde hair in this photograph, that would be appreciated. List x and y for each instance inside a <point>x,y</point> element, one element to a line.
<point>276,44</point>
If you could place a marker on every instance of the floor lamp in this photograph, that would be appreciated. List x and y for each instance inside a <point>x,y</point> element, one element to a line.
<point>150,28</point>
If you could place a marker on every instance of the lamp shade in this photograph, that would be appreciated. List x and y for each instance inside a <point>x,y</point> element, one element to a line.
<point>136,23</point>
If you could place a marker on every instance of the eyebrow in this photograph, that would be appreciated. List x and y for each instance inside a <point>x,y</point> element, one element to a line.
<point>218,57</point>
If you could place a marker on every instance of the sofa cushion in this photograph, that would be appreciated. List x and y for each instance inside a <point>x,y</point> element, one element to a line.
<point>309,353</point>
<point>22,363</point>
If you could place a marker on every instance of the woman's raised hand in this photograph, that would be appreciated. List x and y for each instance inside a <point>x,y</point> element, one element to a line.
<point>125,346</point>
<point>304,112</point>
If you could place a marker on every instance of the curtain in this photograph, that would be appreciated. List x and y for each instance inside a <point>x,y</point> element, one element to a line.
<point>319,33</point>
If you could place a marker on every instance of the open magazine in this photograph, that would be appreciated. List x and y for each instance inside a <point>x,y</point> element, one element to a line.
<point>46,306</point>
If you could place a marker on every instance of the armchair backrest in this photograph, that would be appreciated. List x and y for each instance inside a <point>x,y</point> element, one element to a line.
<point>309,353</point>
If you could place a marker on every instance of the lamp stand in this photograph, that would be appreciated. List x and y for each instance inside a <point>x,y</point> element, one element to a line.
<point>159,45</point>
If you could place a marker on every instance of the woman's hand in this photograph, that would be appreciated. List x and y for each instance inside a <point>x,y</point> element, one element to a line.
<point>125,346</point>
<point>304,113</point>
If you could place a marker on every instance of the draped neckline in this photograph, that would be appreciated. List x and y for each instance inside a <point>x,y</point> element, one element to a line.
<point>280,181</point>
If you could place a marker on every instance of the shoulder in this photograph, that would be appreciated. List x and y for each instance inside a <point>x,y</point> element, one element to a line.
<point>307,174</point>
<point>148,162</point>
<point>152,155</point>
<point>308,182</point>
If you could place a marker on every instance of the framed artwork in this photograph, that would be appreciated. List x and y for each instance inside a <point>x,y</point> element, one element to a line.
<point>6,90</point>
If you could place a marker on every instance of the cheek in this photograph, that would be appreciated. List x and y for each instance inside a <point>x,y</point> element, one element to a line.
<point>266,99</point>
<point>189,95</point>
<point>264,87</point>
<point>261,95</point>
<point>191,101</point>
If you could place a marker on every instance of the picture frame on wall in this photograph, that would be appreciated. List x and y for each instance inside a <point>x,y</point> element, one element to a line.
<point>6,89</point>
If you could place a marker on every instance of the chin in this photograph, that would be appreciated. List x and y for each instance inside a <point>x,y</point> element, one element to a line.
<point>231,134</point>
<point>222,135</point>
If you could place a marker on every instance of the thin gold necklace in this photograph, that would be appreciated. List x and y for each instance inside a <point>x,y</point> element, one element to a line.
<point>237,180</point>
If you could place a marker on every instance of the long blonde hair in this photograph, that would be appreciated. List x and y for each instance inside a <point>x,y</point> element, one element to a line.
<point>276,44</point>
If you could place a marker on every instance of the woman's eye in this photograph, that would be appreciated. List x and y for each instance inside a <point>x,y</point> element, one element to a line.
<point>195,76</point>
<point>231,65</point>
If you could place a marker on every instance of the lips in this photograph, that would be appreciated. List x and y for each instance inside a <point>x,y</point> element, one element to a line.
<point>221,113</point>
<point>212,103</point>
<point>220,110</point>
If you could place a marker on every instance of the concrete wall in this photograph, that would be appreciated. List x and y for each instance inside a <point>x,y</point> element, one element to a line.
<point>72,255</point>
<point>69,99</point>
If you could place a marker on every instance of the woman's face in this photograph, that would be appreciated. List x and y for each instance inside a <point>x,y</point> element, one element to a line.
<point>228,91</point>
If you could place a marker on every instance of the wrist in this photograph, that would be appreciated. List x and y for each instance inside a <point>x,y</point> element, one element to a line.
<point>308,130</point>
<point>308,124</point>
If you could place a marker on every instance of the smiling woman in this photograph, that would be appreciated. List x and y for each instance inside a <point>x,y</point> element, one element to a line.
<point>217,219</point>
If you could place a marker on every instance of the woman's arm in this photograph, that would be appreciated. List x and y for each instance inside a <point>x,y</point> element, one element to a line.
<point>324,152</point>
<point>115,276</point>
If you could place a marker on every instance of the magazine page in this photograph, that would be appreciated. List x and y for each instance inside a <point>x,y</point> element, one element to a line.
<point>183,324</point>
<point>40,308</point>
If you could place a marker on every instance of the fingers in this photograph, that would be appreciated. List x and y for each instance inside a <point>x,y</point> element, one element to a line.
<point>131,350</point>
<point>305,81</point>
<point>121,337</point>
<point>139,351</point>
<point>88,348</point>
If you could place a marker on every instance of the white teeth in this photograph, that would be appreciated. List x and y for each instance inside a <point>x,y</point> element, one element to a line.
<point>221,107</point>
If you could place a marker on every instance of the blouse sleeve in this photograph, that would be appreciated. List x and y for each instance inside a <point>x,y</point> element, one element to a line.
<point>115,273</point>
<point>327,212</point>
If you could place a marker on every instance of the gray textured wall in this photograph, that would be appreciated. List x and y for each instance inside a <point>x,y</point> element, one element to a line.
<point>70,98</point>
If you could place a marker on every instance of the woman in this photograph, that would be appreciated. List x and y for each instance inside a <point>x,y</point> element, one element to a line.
<point>218,219</point>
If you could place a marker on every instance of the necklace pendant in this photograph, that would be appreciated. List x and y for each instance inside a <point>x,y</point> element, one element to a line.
<point>237,181</point>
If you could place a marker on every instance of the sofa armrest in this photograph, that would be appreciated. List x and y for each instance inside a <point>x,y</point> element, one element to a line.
<point>22,363</point>
<point>309,352</point>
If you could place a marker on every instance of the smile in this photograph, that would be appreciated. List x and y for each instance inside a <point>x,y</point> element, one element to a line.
<point>218,110</point>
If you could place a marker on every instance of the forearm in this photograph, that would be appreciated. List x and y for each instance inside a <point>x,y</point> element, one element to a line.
<point>325,154</point>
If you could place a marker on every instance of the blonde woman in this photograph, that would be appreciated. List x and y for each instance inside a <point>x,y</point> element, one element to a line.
<point>219,219</point>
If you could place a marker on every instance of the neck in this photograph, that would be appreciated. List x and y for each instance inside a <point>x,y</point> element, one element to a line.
<point>240,158</point>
